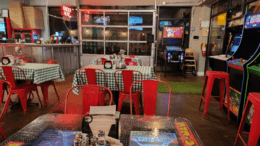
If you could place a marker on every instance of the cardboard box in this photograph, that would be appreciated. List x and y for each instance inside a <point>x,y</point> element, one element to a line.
<point>33,18</point>
<point>16,14</point>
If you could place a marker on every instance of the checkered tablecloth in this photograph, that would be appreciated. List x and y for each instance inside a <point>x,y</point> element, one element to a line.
<point>94,61</point>
<point>38,72</point>
<point>146,71</point>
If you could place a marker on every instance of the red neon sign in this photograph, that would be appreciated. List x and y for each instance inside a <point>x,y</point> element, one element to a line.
<point>66,11</point>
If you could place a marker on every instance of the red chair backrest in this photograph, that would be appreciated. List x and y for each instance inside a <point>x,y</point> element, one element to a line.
<point>91,76</point>
<point>132,56</point>
<point>127,61</point>
<point>8,72</point>
<point>90,95</point>
<point>150,95</point>
<point>51,61</point>
<point>134,64</point>
<point>102,60</point>
<point>127,76</point>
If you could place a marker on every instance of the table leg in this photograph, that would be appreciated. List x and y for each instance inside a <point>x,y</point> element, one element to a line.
<point>115,98</point>
<point>31,53</point>
<point>165,66</point>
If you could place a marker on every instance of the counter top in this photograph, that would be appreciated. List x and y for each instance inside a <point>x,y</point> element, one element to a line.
<point>220,57</point>
<point>36,45</point>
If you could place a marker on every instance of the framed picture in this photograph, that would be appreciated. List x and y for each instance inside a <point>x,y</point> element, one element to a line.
<point>5,12</point>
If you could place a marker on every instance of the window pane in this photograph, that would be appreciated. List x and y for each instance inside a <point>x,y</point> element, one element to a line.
<point>93,47</point>
<point>236,3</point>
<point>116,18</point>
<point>138,33</point>
<point>140,19</point>
<point>114,47</point>
<point>116,33</point>
<point>217,33</point>
<point>92,18</point>
<point>252,7</point>
<point>139,49</point>
<point>93,33</point>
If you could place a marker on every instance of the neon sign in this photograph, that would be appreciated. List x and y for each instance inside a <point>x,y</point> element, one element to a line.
<point>66,11</point>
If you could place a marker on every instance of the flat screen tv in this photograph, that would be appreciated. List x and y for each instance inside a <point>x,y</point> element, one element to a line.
<point>172,32</point>
<point>165,24</point>
<point>100,20</point>
<point>136,28</point>
<point>133,20</point>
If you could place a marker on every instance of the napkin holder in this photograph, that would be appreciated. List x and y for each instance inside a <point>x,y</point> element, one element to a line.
<point>5,61</point>
<point>108,64</point>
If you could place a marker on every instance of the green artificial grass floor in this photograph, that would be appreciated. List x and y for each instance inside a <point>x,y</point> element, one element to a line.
<point>182,87</point>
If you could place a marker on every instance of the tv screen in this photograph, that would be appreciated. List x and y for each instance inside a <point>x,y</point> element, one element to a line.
<point>165,23</point>
<point>133,20</point>
<point>172,32</point>
<point>136,28</point>
<point>2,25</point>
<point>98,20</point>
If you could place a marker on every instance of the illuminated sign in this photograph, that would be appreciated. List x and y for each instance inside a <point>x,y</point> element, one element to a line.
<point>66,11</point>
<point>185,134</point>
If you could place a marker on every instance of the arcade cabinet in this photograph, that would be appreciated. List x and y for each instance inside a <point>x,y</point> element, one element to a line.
<point>218,62</point>
<point>238,64</point>
<point>173,45</point>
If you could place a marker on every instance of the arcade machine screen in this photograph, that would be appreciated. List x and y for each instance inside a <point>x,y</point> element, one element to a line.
<point>145,138</point>
<point>172,32</point>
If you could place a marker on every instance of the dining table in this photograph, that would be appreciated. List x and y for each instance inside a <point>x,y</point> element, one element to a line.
<point>38,73</point>
<point>147,73</point>
<point>137,59</point>
<point>61,129</point>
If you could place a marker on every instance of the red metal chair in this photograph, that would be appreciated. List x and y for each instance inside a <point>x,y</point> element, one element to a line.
<point>102,60</point>
<point>90,94</point>
<point>45,85</point>
<point>50,61</point>
<point>253,98</point>
<point>91,79</point>
<point>209,81</point>
<point>127,76</point>
<point>20,89</point>
<point>149,96</point>
<point>2,83</point>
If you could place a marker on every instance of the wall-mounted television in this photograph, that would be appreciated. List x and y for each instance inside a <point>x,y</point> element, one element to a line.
<point>165,24</point>
<point>136,28</point>
<point>172,32</point>
<point>98,20</point>
<point>133,20</point>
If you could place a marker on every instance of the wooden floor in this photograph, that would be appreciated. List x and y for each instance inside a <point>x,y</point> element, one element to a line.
<point>214,130</point>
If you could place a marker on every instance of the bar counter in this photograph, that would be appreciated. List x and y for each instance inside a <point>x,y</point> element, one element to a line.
<point>68,55</point>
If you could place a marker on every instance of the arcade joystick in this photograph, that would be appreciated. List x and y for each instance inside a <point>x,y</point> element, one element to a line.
<point>241,59</point>
<point>233,58</point>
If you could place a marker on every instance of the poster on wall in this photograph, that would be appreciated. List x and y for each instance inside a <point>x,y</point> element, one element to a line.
<point>214,32</point>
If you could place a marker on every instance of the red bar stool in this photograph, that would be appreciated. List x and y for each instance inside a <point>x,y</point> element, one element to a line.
<point>209,81</point>
<point>253,98</point>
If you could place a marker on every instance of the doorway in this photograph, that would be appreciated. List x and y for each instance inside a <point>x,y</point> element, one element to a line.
<point>171,16</point>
